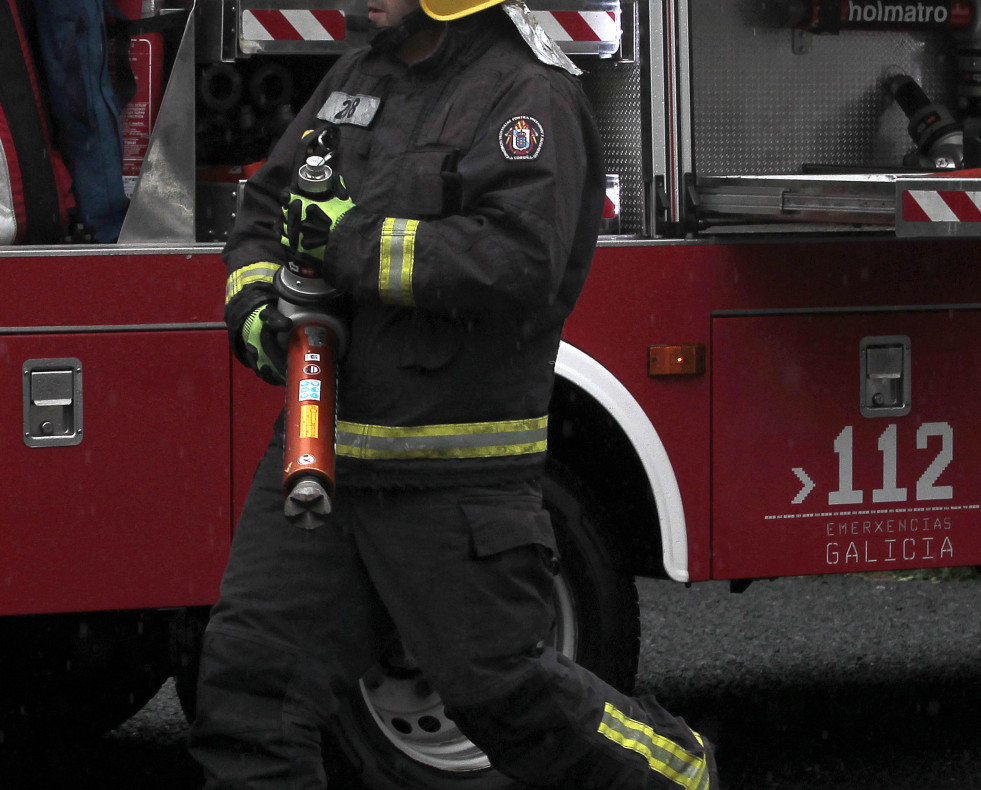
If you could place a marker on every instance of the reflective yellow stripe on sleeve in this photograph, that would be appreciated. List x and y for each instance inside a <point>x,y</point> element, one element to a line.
<point>459,440</point>
<point>397,256</point>
<point>663,755</point>
<point>249,275</point>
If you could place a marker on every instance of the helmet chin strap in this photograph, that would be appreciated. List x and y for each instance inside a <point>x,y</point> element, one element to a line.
<point>541,43</point>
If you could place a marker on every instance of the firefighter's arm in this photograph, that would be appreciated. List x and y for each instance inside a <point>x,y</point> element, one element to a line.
<point>254,251</point>
<point>253,263</point>
<point>522,210</point>
<point>254,254</point>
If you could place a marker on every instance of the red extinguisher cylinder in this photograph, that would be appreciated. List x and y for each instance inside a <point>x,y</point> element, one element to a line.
<point>309,458</point>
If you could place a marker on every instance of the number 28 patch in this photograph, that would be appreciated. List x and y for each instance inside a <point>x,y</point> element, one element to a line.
<point>522,138</point>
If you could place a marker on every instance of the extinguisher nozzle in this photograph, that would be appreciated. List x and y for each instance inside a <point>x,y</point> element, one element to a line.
<point>308,504</point>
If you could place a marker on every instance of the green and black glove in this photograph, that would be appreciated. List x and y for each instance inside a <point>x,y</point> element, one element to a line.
<point>307,222</point>
<point>262,338</point>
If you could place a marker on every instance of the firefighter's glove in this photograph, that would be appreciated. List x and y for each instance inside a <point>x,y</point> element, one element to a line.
<point>307,222</point>
<point>263,338</point>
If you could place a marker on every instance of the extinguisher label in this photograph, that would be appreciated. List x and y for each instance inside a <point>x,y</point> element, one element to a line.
<point>139,116</point>
<point>309,421</point>
<point>309,389</point>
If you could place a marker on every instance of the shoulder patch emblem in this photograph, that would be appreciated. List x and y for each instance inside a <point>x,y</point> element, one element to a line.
<point>522,138</point>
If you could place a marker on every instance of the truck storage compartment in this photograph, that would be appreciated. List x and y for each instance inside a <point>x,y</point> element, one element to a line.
<point>799,114</point>
<point>110,499</point>
<point>216,83</point>
<point>240,45</point>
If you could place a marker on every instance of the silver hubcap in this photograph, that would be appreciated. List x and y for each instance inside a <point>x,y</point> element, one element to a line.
<point>411,714</point>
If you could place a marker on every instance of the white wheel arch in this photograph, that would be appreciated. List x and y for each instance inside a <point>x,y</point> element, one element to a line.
<point>583,371</point>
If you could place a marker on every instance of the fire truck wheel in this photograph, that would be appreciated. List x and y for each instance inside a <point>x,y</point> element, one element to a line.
<point>395,733</point>
<point>79,675</point>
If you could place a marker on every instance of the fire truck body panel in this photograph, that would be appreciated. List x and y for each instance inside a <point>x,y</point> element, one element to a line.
<point>94,286</point>
<point>101,328</point>
<point>117,382</point>
<point>766,313</point>
<point>256,407</point>
<point>848,487</point>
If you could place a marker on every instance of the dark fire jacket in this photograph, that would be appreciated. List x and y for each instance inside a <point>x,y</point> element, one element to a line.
<point>478,183</point>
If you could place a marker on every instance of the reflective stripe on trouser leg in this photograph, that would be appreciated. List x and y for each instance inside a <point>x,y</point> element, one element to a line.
<point>544,731</point>
<point>662,754</point>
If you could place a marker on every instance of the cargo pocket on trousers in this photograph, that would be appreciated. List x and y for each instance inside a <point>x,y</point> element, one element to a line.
<point>509,600</point>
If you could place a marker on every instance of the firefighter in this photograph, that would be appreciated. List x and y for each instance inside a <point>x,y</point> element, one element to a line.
<point>473,191</point>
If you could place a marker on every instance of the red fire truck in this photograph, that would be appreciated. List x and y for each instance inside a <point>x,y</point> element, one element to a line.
<point>765,374</point>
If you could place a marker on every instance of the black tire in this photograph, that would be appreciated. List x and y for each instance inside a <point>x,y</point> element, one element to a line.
<point>80,675</point>
<point>396,736</point>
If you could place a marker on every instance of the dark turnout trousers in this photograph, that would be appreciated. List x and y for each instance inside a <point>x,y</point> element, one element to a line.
<point>463,574</point>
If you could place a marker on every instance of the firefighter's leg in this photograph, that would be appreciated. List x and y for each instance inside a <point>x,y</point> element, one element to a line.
<point>465,575</point>
<point>560,726</point>
<point>297,620</point>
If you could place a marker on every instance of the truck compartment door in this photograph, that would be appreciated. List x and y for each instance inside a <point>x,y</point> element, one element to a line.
<point>845,442</point>
<point>133,508</point>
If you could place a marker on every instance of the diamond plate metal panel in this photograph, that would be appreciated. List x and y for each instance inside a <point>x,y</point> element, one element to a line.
<point>763,105</point>
<point>613,89</point>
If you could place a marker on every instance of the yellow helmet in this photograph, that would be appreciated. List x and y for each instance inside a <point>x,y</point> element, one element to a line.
<point>445,10</point>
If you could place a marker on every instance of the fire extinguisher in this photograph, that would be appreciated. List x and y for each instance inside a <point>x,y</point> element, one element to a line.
<point>316,342</point>
<point>146,61</point>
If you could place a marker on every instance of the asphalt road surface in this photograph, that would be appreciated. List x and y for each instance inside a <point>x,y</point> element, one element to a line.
<point>806,684</point>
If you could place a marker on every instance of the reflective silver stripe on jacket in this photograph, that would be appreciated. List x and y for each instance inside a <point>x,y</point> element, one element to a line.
<point>263,272</point>
<point>397,255</point>
<point>460,440</point>
<point>663,755</point>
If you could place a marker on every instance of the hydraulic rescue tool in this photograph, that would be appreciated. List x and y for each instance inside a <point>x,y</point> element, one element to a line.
<point>938,136</point>
<point>315,343</point>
